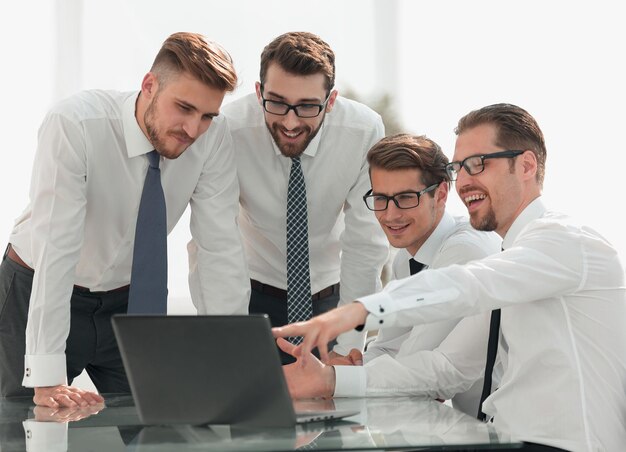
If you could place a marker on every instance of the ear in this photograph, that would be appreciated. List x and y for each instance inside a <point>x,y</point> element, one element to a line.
<point>441,193</point>
<point>529,165</point>
<point>149,85</point>
<point>331,100</point>
<point>257,87</point>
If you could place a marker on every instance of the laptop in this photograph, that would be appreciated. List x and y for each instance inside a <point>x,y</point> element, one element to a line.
<point>208,370</point>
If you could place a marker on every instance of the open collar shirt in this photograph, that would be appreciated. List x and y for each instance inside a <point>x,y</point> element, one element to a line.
<point>346,244</point>
<point>562,290</point>
<point>79,227</point>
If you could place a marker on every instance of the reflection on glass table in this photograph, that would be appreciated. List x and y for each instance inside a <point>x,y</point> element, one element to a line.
<point>400,423</point>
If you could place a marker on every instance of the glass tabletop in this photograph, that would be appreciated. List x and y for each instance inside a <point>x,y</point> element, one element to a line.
<point>396,423</point>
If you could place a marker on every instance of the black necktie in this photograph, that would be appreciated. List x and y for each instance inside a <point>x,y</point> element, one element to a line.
<point>415,266</point>
<point>148,278</point>
<point>492,351</point>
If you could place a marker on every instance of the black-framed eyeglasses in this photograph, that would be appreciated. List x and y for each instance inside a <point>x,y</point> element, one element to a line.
<point>404,200</point>
<point>276,107</point>
<point>475,164</point>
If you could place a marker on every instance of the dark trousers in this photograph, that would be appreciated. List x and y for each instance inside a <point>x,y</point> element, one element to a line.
<point>90,346</point>
<point>276,309</point>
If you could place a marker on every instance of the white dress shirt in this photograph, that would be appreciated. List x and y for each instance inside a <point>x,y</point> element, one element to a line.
<point>453,241</point>
<point>79,227</point>
<point>345,241</point>
<point>562,291</point>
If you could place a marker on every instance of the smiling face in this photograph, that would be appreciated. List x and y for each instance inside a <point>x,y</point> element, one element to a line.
<point>495,197</point>
<point>407,228</point>
<point>173,115</point>
<point>292,134</point>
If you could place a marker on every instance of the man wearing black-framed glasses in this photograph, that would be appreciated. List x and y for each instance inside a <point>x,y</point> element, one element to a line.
<point>300,154</point>
<point>556,295</point>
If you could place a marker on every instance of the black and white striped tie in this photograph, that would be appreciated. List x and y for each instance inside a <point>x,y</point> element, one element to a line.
<point>299,306</point>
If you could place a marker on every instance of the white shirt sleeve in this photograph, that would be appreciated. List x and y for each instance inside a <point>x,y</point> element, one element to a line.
<point>218,276</point>
<point>58,194</point>
<point>389,340</point>
<point>497,281</point>
<point>364,247</point>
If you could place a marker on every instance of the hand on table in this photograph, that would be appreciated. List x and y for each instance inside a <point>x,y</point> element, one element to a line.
<point>65,396</point>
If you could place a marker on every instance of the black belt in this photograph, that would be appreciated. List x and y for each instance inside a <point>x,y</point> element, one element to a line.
<point>282,293</point>
<point>83,290</point>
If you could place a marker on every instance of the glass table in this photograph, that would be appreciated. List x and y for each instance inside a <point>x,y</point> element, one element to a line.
<point>398,423</point>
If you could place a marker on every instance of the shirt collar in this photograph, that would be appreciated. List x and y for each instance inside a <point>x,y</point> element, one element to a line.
<point>532,211</point>
<point>313,146</point>
<point>427,252</point>
<point>136,142</point>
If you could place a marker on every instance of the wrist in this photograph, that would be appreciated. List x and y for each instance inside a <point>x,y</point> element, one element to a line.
<point>330,379</point>
<point>360,314</point>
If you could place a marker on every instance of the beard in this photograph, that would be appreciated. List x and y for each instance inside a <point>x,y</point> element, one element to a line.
<point>289,149</point>
<point>486,223</point>
<point>156,137</point>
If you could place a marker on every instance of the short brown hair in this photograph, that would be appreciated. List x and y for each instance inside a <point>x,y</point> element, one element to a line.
<point>300,53</point>
<point>405,151</point>
<point>516,129</point>
<point>192,53</point>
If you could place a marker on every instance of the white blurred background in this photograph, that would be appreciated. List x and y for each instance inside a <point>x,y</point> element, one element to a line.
<point>436,59</point>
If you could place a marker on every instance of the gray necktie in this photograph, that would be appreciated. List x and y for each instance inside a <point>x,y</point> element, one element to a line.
<point>298,279</point>
<point>148,279</point>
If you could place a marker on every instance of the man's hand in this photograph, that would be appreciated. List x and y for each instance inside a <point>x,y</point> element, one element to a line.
<point>308,377</point>
<point>65,396</point>
<point>320,330</point>
<point>354,358</point>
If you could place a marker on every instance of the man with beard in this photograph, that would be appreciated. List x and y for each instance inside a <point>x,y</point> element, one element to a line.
<point>556,297</point>
<point>300,154</point>
<point>67,268</point>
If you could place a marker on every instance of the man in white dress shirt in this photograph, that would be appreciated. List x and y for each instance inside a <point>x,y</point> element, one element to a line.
<point>297,116</point>
<point>560,287</point>
<point>67,268</point>
<point>409,192</point>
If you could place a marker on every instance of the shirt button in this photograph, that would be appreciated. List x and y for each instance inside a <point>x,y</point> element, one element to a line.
<point>381,309</point>
<point>29,434</point>
<point>28,371</point>
<point>380,322</point>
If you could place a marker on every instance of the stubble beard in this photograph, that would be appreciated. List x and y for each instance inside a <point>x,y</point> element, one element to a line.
<point>154,135</point>
<point>486,223</point>
<point>292,150</point>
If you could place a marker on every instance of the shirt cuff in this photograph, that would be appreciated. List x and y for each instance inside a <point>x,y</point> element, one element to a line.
<point>378,306</point>
<point>45,436</point>
<point>349,381</point>
<point>44,370</point>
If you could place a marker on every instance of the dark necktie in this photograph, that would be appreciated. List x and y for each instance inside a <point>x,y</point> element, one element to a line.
<point>492,351</point>
<point>148,279</point>
<point>298,278</point>
<point>415,266</point>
